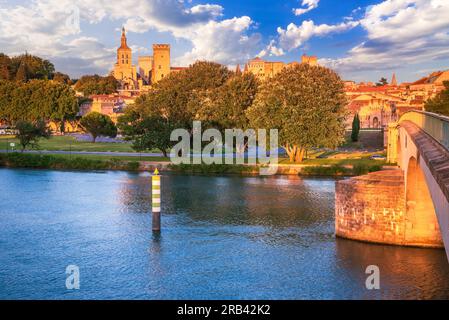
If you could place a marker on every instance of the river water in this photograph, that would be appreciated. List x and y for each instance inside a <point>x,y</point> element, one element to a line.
<point>222,238</point>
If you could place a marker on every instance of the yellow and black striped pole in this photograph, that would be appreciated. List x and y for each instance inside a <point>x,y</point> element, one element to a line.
<point>156,200</point>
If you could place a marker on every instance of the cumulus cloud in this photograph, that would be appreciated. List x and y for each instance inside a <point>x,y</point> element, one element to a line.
<point>399,32</point>
<point>294,36</point>
<point>223,41</point>
<point>308,4</point>
<point>41,27</point>
<point>271,50</point>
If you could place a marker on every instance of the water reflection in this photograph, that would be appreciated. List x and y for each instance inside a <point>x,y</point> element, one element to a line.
<point>222,238</point>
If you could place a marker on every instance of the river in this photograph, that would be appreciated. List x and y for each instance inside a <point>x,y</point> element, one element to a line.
<point>222,238</point>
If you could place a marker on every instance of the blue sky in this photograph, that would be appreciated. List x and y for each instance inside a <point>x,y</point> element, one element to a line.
<point>362,40</point>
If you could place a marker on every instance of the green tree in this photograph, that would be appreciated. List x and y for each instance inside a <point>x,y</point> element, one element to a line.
<point>37,100</point>
<point>96,84</point>
<point>148,133</point>
<point>29,133</point>
<point>382,82</point>
<point>31,67</point>
<point>440,103</point>
<point>62,78</point>
<point>98,124</point>
<point>226,106</point>
<point>306,104</point>
<point>175,96</point>
<point>355,128</point>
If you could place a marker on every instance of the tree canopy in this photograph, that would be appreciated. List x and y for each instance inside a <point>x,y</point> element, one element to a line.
<point>306,104</point>
<point>440,103</point>
<point>25,67</point>
<point>382,82</point>
<point>175,96</point>
<point>98,124</point>
<point>36,100</point>
<point>96,84</point>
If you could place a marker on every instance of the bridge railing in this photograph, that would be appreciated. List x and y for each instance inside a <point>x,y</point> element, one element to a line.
<point>433,124</point>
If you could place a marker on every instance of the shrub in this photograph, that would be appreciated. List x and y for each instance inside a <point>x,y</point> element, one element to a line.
<point>19,160</point>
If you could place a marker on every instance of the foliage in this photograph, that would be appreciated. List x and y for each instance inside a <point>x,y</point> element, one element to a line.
<point>147,133</point>
<point>355,128</point>
<point>225,106</point>
<point>29,133</point>
<point>25,67</point>
<point>339,170</point>
<point>23,160</point>
<point>36,100</point>
<point>213,169</point>
<point>96,84</point>
<point>306,104</point>
<point>62,78</point>
<point>382,82</point>
<point>98,124</point>
<point>440,103</point>
<point>175,96</point>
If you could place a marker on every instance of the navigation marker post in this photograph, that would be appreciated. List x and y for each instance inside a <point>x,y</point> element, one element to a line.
<point>156,200</point>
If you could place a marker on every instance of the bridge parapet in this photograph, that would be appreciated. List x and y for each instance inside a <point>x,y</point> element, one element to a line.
<point>435,125</point>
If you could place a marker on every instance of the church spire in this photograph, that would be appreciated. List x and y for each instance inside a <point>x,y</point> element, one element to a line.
<point>394,82</point>
<point>123,45</point>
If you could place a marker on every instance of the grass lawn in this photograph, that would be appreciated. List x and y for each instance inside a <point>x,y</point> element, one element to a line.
<point>66,143</point>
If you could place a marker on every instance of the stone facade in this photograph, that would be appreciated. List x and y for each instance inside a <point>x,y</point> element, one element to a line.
<point>267,69</point>
<point>373,208</point>
<point>150,69</point>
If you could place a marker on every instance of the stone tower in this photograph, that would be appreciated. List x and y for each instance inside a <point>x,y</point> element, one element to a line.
<point>161,62</point>
<point>310,60</point>
<point>124,71</point>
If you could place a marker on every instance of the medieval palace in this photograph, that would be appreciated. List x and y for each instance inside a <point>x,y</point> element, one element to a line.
<point>150,69</point>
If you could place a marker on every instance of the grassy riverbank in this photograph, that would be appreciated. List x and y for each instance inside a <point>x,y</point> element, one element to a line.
<point>96,162</point>
<point>19,160</point>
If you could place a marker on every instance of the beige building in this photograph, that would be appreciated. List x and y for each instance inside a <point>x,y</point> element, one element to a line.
<point>268,69</point>
<point>149,70</point>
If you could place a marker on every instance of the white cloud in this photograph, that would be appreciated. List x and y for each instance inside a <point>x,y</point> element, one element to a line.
<point>400,33</point>
<point>309,4</point>
<point>223,41</point>
<point>271,50</point>
<point>39,26</point>
<point>294,36</point>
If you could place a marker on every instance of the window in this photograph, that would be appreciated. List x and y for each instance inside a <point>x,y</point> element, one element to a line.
<point>162,75</point>
<point>160,67</point>
<point>123,61</point>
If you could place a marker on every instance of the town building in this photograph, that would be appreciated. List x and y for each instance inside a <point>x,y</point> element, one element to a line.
<point>267,69</point>
<point>379,105</point>
<point>112,105</point>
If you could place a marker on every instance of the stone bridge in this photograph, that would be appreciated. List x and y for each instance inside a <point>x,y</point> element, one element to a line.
<point>408,206</point>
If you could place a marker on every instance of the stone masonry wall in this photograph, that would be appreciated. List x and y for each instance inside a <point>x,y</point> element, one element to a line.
<point>372,208</point>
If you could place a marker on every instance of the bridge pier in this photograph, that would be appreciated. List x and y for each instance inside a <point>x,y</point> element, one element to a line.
<point>408,206</point>
<point>373,208</point>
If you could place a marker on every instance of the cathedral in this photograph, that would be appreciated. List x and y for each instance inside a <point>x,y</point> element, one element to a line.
<point>149,70</point>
